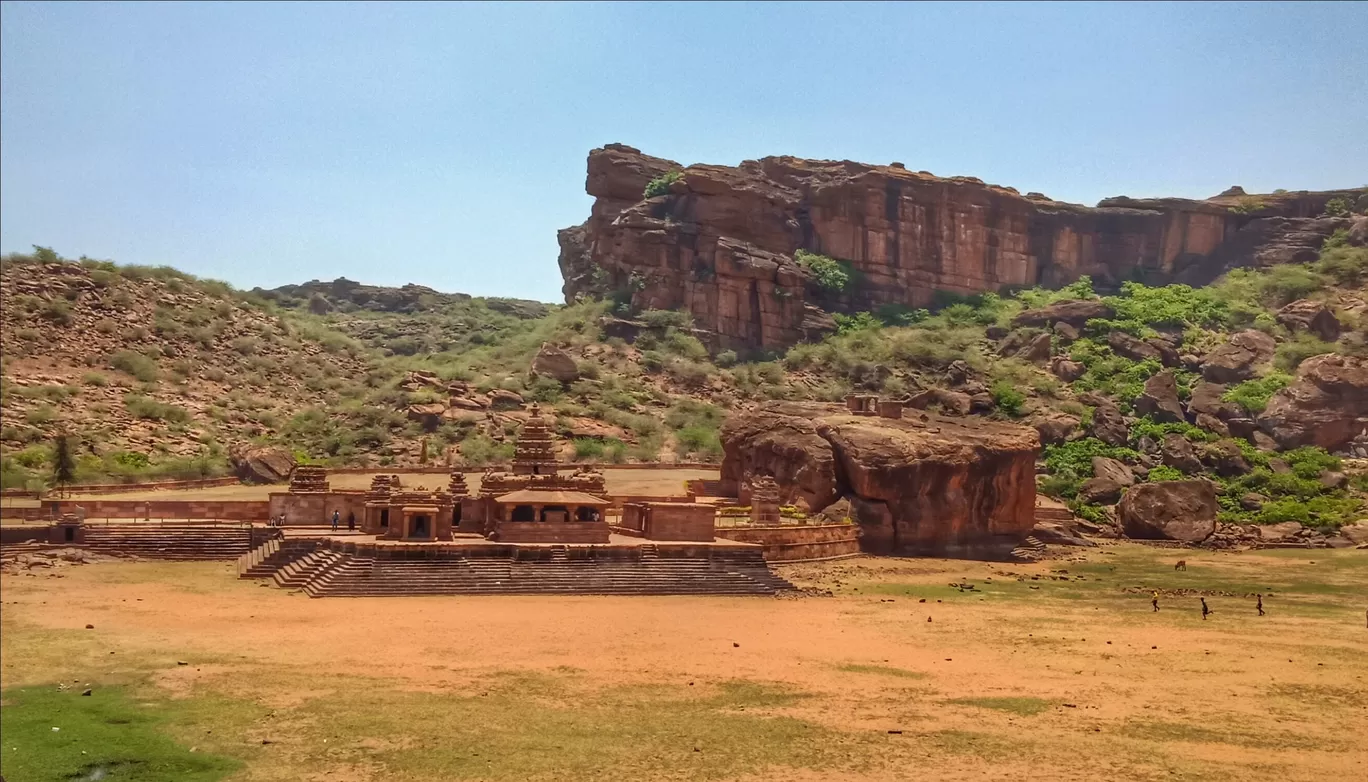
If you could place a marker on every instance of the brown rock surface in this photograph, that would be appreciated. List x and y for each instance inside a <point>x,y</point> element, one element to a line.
<point>555,363</point>
<point>1109,426</point>
<point>1311,316</point>
<point>1160,398</point>
<point>263,465</point>
<point>1179,454</point>
<point>1170,510</point>
<point>720,244</point>
<point>941,485</point>
<point>1074,312</point>
<point>1113,470</point>
<point>1323,407</point>
<point>1236,359</point>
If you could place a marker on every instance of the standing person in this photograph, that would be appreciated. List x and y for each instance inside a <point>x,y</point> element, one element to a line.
<point>1260,605</point>
<point>1154,600</point>
<point>1205,610</point>
<point>337,516</point>
<point>351,521</point>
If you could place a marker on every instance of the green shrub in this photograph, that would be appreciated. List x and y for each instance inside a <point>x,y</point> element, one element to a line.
<point>726,358</point>
<point>1253,395</point>
<point>663,320</point>
<point>1074,459</point>
<point>1309,461</point>
<point>1337,207</point>
<point>1059,486</point>
<point>1148,427</point>
<point>860,321</point>
<point>94,379</point>
<point>1347,265</point>
<point>58,311</point>
<point>661,184</point>
<point>828,273</point>
<point>1292,353</point>
<point>1165,473</point>
<point>135,364</point>
<point>699,441</point>
<point>1007,398</point>
<point>147,408</point>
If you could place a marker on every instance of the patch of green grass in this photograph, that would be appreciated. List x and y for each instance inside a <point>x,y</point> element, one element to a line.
<point>1023,705</point>
<point>881,670</point>
<point>62,735</point>
<point>1166,731</point>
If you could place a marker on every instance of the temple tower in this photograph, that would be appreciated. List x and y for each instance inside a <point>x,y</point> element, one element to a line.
<point>536,449</point>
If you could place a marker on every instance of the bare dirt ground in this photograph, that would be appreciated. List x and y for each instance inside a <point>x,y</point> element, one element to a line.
<point>1031,674</point>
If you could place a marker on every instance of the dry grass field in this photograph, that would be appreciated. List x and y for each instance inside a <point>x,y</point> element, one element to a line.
<point>1034,673</point>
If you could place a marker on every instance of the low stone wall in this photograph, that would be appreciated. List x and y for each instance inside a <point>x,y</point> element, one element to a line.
<point>799,543</point>
<point>224,510</point>
<point>557,532</point>
<point>119,488</point>
<point>34,533</point>
<point>507,466</point>
<point>308,509</point>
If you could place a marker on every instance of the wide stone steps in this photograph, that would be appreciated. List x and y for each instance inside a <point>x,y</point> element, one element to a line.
<point>182,542</point>
<point>331,574</point>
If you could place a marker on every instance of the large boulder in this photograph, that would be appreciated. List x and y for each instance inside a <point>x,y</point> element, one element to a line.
<point>1054,427</point>
<point>1225,459</point>
<point>1323,406</point>
<point>1100,491</point>
<point>961,487</point>
<point>1133,348</point>
<point>1179,454</point>
<point>1236,359</point>
<point>1310,316</point>
<point>1109,426</point>
<point>1112,470</point>
<point>555,363</point>
<point>1206,399</point>
<point>1075,312</point>
<point>262,464</point>
<point>1160,400</point>
<point>1067,370</point>
<point>1170,510</point>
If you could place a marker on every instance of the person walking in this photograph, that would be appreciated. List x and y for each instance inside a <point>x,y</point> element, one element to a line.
<point>1205,610</point>
<point>351,521</point>
<point>337,516</point>
<point>1259,605</point>
<point>1154,600</point>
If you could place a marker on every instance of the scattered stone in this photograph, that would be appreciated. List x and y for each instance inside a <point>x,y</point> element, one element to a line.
<point>1310,316</point>
<point>1109,426</point>
<point>1225,459</point>
<point>1179,454</point>
<point>1075,312</point>
<point>1234,361</point>
<point>1131,347</point>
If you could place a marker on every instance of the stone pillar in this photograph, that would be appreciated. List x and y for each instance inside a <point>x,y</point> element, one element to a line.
<point>764,501</point>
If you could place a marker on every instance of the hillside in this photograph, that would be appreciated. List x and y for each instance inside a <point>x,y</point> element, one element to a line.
<point>1254,380</point>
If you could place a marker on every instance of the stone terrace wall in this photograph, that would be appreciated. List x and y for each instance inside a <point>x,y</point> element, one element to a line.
<point>315,510</point>
<point>224,510</point>
<point>799,543</point>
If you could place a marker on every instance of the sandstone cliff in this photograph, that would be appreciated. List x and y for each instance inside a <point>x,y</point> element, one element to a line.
<point>920,484</point>
<point>720,243</point>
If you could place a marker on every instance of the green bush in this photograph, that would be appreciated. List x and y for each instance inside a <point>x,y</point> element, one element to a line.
<point>1148,427</point>
<point>1165,473</point>
<point>135,364</point>
<point>661,184</point>
<point>1074,459</point>
<point>1290,354</point>
<point>147,408</point>
<point>58,311</point>
<point>1337,207</point>
<point>1007,398</point>
<point>828,273</point>
<point>1253,395</point>
<point>38,416</point>
<point>1347,265</point>
<point>726,358</point>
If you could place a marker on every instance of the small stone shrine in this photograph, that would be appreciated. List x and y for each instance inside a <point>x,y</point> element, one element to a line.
<point>309,479</point>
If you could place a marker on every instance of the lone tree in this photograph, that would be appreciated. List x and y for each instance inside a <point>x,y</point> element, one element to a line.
<point>63,463</point>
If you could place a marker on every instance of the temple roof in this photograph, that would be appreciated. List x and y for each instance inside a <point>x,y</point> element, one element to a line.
<point>542,497</point>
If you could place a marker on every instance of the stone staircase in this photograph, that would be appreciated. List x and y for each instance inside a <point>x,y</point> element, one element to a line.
<point>264,560</point>
<point>327,573</point>
<point>169,541</point>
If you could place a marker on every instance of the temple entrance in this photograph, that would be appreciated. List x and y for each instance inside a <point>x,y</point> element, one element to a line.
<point>456,515</point>
<point>523,513</point>
<point>420,528</point>
<point>586,513</point>
<point>554,513</point>
<point>384,518</point>
<point>70,534</point>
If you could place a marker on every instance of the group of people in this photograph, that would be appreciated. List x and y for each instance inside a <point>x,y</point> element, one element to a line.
<point>279,520</point>
<point>1206,610</point>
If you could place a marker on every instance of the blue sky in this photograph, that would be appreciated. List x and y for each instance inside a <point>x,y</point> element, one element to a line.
<point>445,144</point>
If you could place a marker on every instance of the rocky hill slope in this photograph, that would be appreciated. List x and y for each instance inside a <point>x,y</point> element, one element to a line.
<point>760,253</point>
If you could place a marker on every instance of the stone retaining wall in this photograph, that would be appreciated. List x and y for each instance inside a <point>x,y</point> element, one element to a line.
<point>799,543</point>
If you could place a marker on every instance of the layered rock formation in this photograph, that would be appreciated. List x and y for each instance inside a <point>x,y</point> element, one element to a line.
<point>920,484</point>
<point>720,243</point>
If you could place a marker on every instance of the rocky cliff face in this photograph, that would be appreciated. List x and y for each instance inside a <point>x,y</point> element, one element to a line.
<point>721,242</point>
<point>920,484</point>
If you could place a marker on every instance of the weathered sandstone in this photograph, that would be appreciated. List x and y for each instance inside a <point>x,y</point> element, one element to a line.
<point>720,243</point>
<point>939,485</point>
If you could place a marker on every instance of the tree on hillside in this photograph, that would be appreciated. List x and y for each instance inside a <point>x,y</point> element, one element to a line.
<point>63,463</point>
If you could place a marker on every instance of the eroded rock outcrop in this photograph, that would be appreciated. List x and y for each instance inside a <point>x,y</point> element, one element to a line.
<point>262,464</point>
<point>719,242</point>
<point>940,485</point>
<point>1325,407</point>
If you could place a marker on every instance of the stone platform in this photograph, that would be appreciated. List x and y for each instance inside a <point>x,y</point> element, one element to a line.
<point>354,565</point>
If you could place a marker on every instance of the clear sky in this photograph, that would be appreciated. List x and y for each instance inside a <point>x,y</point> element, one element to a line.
<point>445,144</point>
